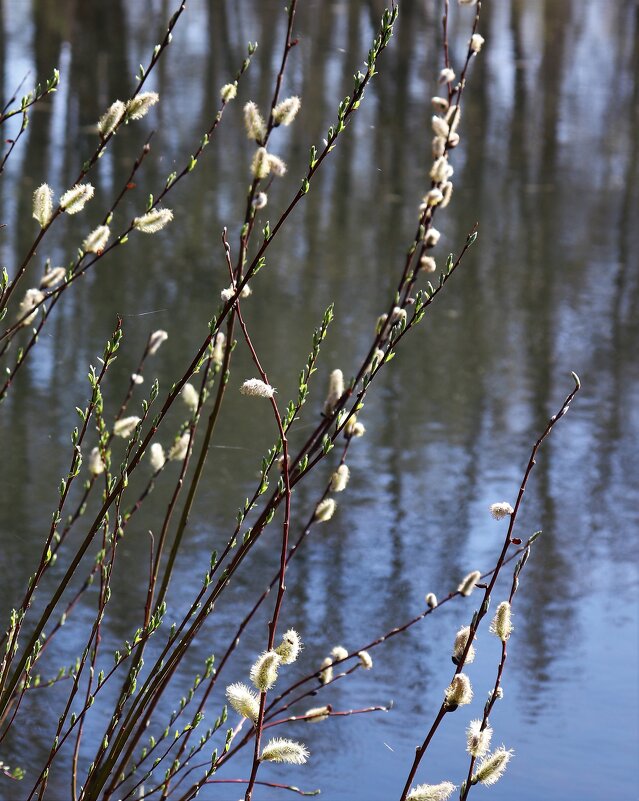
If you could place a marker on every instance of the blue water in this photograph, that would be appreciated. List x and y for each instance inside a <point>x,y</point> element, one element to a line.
<point>548,166</point>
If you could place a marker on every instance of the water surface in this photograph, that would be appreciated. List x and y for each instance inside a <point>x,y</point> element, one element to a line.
<point>548,167</point>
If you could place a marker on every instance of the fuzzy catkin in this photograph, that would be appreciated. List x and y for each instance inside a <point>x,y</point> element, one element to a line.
<point>478,739</point>
<point>459,692</point>
<point>155,341</point>
<point>190,396</point>
<point>446,76</point>
<point>157,457</point>
<point>476,42</point>
<point>29,306</point>
<point>501,624</point>
<point>180,448</point>
<point>501,510</point>
<point>96,241</point>
<point>111,118</point>
<point>431,792</point>
<point>431,600</point>
<point>278,167</point>
<point>461,640</point>
<point>76,198</point>
<point>432,237</point>
<point>245,702</point>
<point>96,465</point>
<point>153,221</point>
<point>365,660</point>
<point>139,105</point>
<point>317,714</point>
<point>326,675</point>
<point>288,650</point>
<point>492,767</point>
<point>428,264</point>
<point>339,479</point>
<point>218,348</point>
<point>126,426</point>
<point>253,122</point>
<point>228,92</point>
<point>286,111</point>
<point>52,277</point>
<point>324,510</point>
<point>260,167</point>
<point>256,388</point>
<point>439,104</point>
<point>282,750</point>
<point>264,672</point>
<point>338,653</point>
<point>467,584</point>
<point>335,391</point>
<point>43,204</point>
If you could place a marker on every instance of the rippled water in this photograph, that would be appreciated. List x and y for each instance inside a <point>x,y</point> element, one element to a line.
<point>548,166</point>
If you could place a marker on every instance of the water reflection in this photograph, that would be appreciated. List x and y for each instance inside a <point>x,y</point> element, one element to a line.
<point>549,167</point>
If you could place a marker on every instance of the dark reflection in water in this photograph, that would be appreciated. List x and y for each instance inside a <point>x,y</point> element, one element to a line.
<point>548,166</point>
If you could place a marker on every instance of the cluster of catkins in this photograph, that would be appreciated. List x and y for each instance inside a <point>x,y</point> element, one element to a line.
<point>336,389</point>
<point>263,675</point>
<point>75,199</point>
<point>491,766</point>
<point>124,427</point>
<point>262,165</point>
<point>444,124</point>
<point>265,163</point>
<point>339,654</point>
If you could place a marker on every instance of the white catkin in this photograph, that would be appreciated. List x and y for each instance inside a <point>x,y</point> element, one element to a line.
<point>467,584</point>
<point>153,221</point>
<point>431,600</point>
<point>317,714</point>
<point>501,510</point>
<point>243,700</point>
<point>180,448</point>
<point>335,391</point>
<point>96,465</point>
<point>286,111</point>
<point>157,338</point>
<point>288,650</point>
<point>492,767</point>
<point>256,388</point>
<point>228,92</point>
<point>431,792</point>
<point>157,456</point>
<point>52,277</point>
<point>75,199</point>
<point>282,750</point>
<point>126,426</point>
<point>97,239</point>
<point>43,204</point>
<point>324,510</point>
<point>253,122</point>
<point>190,396</point>
<point>339,479</point>
<point>111,118</point>
<point>139,105</point>
<point>29,306</point>
<point>264,672</point>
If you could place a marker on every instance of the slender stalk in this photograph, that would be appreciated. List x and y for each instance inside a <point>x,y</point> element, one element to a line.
<point>465,790</point>
<point>477,618</point>
<point>45,558</point>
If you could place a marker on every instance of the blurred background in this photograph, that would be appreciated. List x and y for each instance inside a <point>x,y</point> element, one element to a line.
<point>548,167</point>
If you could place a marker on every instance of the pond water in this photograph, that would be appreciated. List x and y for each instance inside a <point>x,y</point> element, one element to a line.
<point>548,166</point>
